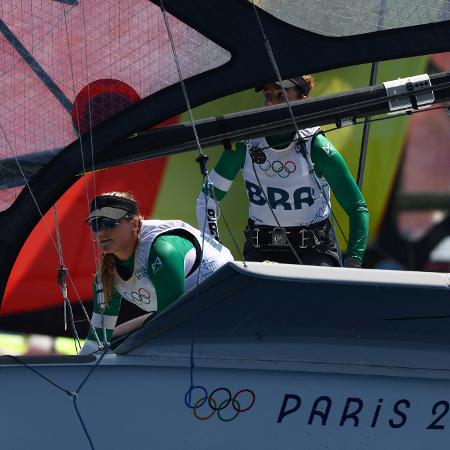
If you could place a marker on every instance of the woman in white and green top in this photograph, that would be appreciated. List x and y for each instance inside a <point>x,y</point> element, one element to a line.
<point>147,262</point>
<point>293,173</point>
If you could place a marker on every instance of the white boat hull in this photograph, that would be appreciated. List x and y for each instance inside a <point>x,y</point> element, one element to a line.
<point>300,375</point>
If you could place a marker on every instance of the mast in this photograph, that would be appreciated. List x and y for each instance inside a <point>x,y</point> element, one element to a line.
<point>366,128</point>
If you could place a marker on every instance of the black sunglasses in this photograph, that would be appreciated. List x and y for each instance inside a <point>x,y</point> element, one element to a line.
<point>103,222</point>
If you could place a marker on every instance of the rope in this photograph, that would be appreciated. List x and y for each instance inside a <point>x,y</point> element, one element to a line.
<point>304,153</point>
<point>56,385</point>
<point>62,277</point>
<point>94,250</point>
<point>80,418</point>
<point>72,394</point>
<point>297,257</point>
<point>202,161</point>
<point>280,81</point>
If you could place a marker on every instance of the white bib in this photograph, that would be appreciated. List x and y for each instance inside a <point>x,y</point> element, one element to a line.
<point>290,189</point>
<point>139,289</point>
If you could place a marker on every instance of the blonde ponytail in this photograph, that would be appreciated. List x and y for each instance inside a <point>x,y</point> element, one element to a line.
<point>107,276</point>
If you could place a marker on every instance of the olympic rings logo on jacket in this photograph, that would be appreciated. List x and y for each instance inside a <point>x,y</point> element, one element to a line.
<point>222,402</point>
<point>283,170</point>
<point>142,296</point>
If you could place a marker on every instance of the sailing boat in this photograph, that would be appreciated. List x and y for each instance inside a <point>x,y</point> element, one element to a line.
<point>154,182</point>
<point>360,354</point>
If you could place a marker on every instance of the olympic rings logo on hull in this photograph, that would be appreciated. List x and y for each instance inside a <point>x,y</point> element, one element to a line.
<point>220,401</point>
<point>283,170</point>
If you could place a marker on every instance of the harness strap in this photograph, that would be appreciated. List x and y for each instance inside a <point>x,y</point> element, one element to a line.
<point>274,238</point>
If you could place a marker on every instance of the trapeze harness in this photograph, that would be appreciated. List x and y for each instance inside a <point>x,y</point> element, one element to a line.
<point>302,207</point>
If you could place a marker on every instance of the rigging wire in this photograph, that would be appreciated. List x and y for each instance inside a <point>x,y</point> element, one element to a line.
<point>230,233</point>
<point>41,215</point>
<point>294,251</point>
<point>62,281</point>
<point>56,245</point>
<point>180,77</point>
<point>305,153</point>
<point>208,192</point>
<point>202,161</point>
<point>95,252</point>
<point>288,103</point>
<point>72,394</point>
<point>365,134</point>
<point>366,129</point>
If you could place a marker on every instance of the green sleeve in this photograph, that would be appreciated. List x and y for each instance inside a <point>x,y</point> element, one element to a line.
<point>166,268</point>
<point>230,162</point>
<point>111,313</point>
<point>329,163</point>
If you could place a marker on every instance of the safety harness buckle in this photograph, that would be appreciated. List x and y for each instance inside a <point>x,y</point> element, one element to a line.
<point>303,238</point>
<point>279,236</point>
<point>255,238</point>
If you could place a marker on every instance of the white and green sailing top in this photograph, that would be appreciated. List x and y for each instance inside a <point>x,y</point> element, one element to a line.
<point>284,180</point>
<point>168,261</point>
<point>287,183</point>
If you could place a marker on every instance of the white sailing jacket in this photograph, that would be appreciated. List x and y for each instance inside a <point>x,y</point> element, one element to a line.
<point>140,290</point>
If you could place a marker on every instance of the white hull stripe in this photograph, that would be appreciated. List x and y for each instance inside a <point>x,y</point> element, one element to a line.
<point>220,182</point>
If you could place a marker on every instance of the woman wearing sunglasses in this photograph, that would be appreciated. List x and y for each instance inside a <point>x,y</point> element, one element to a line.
<point>288,179</point>
<point>147,262</point>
